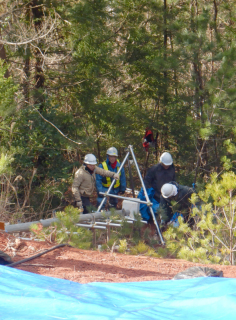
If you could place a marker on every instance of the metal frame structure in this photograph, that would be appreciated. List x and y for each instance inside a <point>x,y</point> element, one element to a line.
<point>147,202</point>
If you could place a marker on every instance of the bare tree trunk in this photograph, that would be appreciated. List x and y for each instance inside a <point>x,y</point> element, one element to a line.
<point>165,95</point>
<point>146,164</point>
<point>37,12</point>
<point>26,83</point>
<point>199,87</point>
<point>98,149</point>
<point>215,15</point>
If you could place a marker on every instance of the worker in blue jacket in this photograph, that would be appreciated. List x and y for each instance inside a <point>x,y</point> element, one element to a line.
<point>103,183</point>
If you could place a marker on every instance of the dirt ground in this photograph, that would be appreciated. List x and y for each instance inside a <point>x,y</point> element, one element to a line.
<point>85,266</point>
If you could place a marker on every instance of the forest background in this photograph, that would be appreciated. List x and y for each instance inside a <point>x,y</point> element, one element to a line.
<point>77,77</point>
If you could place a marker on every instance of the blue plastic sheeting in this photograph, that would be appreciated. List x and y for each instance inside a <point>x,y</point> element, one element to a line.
<point>24,296</point>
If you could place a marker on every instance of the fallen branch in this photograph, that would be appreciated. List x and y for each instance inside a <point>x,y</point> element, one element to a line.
<point>38,265</point>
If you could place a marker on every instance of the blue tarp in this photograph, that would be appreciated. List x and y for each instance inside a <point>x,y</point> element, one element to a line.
<point>27,296</point>
<point>144,209</point>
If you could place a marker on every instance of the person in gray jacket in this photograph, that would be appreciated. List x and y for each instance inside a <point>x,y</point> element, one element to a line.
<point>181,195</point>
<point>84,182</point>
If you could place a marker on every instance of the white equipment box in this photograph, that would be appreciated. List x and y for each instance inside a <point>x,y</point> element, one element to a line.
<point>133,207</point>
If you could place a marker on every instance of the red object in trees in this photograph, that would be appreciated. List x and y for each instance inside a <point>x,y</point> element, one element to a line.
<point>148,137</point>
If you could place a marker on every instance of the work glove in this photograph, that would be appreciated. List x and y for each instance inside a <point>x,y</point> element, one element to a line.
<point>79,204</point>
<point>116,176</point>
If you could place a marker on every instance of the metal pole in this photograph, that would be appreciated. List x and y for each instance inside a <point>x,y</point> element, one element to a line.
<point>113,182</point>
<point>130,199</point>
<point>132,221</point>
<point>20,227</point>
<point>128,221</point>
<point>146,195</point>
<point>108,224</point>
<point>90,226</point>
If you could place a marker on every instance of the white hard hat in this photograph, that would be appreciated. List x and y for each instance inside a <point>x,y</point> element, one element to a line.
<point>169,190</point>
<point>90,159</point>
<point>166,159</point>
<point>112,151</point>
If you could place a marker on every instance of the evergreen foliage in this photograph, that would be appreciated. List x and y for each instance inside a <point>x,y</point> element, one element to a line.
<point>65,230</point>
<point>68,232</point>
<point>126,239</point>
<point>8,92</point>
<point>212,238</point>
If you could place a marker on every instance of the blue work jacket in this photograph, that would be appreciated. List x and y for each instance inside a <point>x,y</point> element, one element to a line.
<point>100,179</point>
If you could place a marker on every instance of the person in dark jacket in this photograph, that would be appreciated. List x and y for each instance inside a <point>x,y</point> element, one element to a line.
<point>180,195</point>
<point>102,183</point>
<point>160,174</point>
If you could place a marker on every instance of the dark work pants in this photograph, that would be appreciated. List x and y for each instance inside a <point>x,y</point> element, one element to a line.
<point>87,205</point>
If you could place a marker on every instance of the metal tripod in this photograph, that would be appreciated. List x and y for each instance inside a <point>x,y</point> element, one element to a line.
<point>147,202</point>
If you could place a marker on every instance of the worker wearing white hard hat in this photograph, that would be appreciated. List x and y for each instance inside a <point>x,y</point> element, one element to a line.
<point>160,174</point>
<point>169,190</point>
<point>103,183</point>
<point>180,194</point>
<point>112,152</point>
<point>84,182</point>
<point>166,159</point>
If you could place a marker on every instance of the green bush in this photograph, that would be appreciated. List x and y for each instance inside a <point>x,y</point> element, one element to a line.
<point>212,238</point>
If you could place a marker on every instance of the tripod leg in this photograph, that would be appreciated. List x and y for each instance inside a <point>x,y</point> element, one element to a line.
<point>146,196</point>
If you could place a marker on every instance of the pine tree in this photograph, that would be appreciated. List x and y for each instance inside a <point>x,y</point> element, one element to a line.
<point>212,239</point>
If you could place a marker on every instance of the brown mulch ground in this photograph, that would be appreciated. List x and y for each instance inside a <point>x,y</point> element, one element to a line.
<point>85,266</point>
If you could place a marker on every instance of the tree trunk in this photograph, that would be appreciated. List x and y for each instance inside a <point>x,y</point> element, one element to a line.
<point>165,76</point>
<point>37,12</point>
<point>26,83</point>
